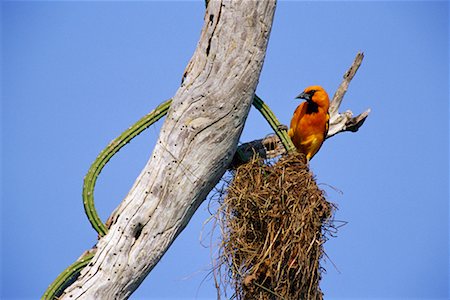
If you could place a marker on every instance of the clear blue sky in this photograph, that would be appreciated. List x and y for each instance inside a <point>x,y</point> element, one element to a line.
<point>76,74</point>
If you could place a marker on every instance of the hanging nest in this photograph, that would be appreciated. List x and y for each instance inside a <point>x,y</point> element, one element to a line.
<point>273,219</point>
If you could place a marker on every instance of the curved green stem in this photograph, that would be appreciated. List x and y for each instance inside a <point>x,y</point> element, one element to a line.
<point>274,123</point>
<point>91,177</point>
<point>67,277</point>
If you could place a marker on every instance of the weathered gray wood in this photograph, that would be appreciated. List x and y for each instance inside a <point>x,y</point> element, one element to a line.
<point>340,122</point>
<point>195,146</point>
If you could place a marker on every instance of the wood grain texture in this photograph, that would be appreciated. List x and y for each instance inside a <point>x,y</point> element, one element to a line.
<point>196,144</point>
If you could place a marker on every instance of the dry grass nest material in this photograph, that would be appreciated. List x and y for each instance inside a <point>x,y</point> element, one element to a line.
<point>273,219</point>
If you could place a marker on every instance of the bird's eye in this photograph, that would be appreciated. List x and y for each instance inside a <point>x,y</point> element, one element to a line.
<point>312,92</point>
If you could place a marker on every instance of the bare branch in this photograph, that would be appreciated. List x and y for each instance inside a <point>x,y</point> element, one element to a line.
<point>345,121</point>
<point>342,89</point>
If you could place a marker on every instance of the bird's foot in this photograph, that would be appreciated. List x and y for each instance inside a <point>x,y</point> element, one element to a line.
<point>282,127</point>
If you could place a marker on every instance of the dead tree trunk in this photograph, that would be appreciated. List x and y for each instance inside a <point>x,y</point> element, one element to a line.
<point>195,146</point>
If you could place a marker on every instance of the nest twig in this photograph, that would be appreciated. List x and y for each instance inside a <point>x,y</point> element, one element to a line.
<point>273,218</point>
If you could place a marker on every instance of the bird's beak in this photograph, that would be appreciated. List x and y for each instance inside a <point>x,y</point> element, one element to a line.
<point>305,96</point>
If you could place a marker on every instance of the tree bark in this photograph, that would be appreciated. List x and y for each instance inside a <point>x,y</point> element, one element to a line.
<point>196,144</point>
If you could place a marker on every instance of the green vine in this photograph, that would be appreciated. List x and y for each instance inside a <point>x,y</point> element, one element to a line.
<point>270,117</point>
<point>102,159</point>
<point>68,276</point>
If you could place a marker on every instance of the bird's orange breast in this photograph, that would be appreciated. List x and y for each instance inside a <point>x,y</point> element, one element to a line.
<point>308,128</point>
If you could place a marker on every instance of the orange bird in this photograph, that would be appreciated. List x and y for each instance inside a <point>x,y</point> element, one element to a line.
<point>309,125</point>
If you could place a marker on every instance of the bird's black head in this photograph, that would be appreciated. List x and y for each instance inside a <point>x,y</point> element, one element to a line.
<point>315,96</point>
<point>307,95</point>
